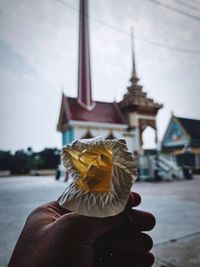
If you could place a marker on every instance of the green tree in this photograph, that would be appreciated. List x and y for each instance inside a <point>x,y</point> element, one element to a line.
<point>21,163</point>
<point>6,159</point>
<point>50,158</point>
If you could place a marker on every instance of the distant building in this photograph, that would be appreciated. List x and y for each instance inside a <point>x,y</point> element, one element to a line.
<point>182,139</point>
<point>82,117</point>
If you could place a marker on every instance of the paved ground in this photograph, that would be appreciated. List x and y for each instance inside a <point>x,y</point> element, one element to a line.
<point>175,205</point>
<point>177,232</point>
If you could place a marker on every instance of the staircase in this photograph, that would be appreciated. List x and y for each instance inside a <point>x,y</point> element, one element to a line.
<point>167,168</point>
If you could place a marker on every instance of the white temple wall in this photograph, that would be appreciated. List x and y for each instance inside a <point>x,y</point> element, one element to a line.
<point>133,120</point>
<point>100,132</point>
<point>118,133</point>
<point>79,132</point>
<point>131,141</point>
<point>130,137</point>
<point>137,140</point>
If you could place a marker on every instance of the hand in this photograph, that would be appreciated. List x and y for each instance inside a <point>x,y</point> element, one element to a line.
<point>54,237</point>
<point>126,245</point>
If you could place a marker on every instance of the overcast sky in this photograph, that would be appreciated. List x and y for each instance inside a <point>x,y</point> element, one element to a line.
<point>38,59</point>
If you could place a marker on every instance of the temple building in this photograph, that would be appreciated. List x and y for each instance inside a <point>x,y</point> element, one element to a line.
<point>182,139</point>
<point>83,117</point>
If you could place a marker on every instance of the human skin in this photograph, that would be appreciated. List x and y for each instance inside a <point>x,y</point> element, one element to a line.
<point>55,237</point>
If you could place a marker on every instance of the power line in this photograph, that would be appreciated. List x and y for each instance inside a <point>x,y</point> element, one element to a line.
<point>194,1</point>
<point>183,50</point>
<point>175,10</point>
<point>144,40</point>
<point>66,4</point>
<point>187,5</point>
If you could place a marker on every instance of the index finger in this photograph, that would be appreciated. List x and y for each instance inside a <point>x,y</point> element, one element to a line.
<point>140,221</point>
<point>133,201</point>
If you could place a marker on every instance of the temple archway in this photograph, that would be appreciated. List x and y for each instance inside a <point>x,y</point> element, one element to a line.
<point>149,138</point>
<point>148,134</point>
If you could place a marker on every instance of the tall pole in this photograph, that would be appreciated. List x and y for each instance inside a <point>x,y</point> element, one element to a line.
<point>156,173</point>
<point>84,69</point>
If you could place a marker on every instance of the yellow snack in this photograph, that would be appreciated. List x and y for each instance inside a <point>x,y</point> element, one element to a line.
<point>102,175</point>
<point>95,168</point>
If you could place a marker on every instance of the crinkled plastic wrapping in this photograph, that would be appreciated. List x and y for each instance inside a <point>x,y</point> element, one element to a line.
<point>102,173</point>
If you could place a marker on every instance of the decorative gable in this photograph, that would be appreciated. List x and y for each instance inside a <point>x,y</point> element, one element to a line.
<point>87,135</point>
<point>176,135</point>
<point>64,116</point>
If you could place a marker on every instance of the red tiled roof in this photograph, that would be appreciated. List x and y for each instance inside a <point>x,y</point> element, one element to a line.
<point>102,112</point>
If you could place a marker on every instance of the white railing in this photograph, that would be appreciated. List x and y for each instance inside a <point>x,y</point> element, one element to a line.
<point>167,168</point>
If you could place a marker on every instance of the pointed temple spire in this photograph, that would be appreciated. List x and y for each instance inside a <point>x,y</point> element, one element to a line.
<point>132,48</point>
<point>135,99</point>
<point>84,72</point>
<point>134,79</point>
